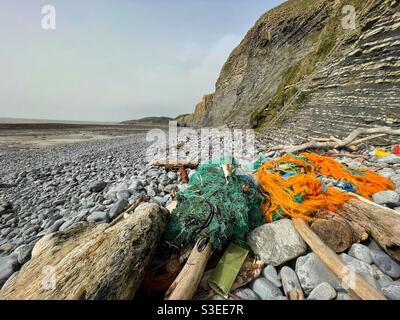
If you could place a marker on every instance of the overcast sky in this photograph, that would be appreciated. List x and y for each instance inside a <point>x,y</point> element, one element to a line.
<point>118,59</point>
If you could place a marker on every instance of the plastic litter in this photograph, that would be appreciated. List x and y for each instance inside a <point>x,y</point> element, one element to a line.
<point>227,269</point>
<point>298,186</point>
<point>380,153</point>
<point>221,208</point>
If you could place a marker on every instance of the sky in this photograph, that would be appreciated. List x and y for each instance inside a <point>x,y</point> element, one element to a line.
<point>115,60</point>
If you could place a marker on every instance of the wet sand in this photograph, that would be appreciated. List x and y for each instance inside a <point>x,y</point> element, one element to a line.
<point>29,136</point>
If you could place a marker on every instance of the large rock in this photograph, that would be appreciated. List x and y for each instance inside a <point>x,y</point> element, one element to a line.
<point>360,267</point>
<point>276,243</point>
<point>89,261</point>
<point>312,271</point>
<point>390,159</point>
<point>265,289</point>
<point>360,252</point>
<point>324,291</point>
<point>8,265</point>
<point>387,172</point>
<point>392,291</point>
<point>383,261</point>
<point>246,294</point>
<point>23,253</point>
<point>118,207</point>
<point>98,216</point>
<point>290,281</point>
<point>97,186</point>
<point>271,274</point>
<point>386,197</point>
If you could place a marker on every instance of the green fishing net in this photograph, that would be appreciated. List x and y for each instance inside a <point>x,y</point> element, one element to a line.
<point>222,209</point>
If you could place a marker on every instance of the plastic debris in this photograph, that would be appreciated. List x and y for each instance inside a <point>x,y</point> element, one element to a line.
<point>215,206</point>
<point>227,269</point>
<point>298,186</point>
<point>380,153</point>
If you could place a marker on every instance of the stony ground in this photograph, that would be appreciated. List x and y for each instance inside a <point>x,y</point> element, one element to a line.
<point>47,190</point>
<point>44,191</point>
<point>299,268</point>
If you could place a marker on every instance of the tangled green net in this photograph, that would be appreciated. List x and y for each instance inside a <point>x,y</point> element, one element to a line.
<point>215,207</point>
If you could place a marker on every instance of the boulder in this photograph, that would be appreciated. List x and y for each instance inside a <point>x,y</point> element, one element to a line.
<point>360,252</point>
<point>97,216</point>
<point>343,296</point>
<point>324,291</point>
<point>276,243</point>
<point>97,186</point>
<point>290,281</point>
<point>91,261</point>
<point>312,271</point>
<point>386,197</point>
<point>271,274</point>
<point>383,261</point>
<point>23,253</point>
<point>390,159</point>
<point>265,289</point>
<point>8,265</point>
<point>360,267</point>
<point>386,172</point>
<point>118,207</point>
<point>246,294</point>
<point>392,291</point>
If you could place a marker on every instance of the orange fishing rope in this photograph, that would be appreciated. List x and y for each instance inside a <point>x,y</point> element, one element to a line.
<point>302,194</point>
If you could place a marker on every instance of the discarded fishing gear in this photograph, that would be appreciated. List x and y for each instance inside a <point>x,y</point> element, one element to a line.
<point>217,206</point>
<point>298,186</point>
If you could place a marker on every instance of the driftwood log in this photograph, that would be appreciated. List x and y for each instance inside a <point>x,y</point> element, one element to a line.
<point>381,223</point>
<point>179,165</point>
<point>336,232</point>
<point>89,261</point>
<point>350,140</point>
<point>186,283</point>
<point>176,164</point>
<point>359,287</point>
<point>295,294</point>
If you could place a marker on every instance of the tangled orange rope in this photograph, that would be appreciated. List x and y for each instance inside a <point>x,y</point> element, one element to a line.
<point>302,194</point>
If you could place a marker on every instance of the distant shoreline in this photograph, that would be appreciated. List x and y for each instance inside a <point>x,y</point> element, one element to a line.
<point>5,120</point>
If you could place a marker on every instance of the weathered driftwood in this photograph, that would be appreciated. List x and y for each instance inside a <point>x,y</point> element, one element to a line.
<point>383,224</point>
<point>186,283</point>
<point>250,270</point>
<point>176,164</point>
<point>89,261</point>
<point>334,143</point>
<point>295,294</point>
<point>358,286</point>
<point>336,232</point>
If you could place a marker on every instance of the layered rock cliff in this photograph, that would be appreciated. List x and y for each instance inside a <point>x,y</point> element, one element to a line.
<point>303,70</point>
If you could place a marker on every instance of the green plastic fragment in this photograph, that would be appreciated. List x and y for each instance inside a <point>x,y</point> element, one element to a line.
<point>224,274</point>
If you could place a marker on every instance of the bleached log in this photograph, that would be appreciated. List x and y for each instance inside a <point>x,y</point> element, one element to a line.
<point>349,140</point>
<point>89,261</point>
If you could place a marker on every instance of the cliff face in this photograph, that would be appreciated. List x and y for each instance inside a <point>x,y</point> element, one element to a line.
<point>298,72</point>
